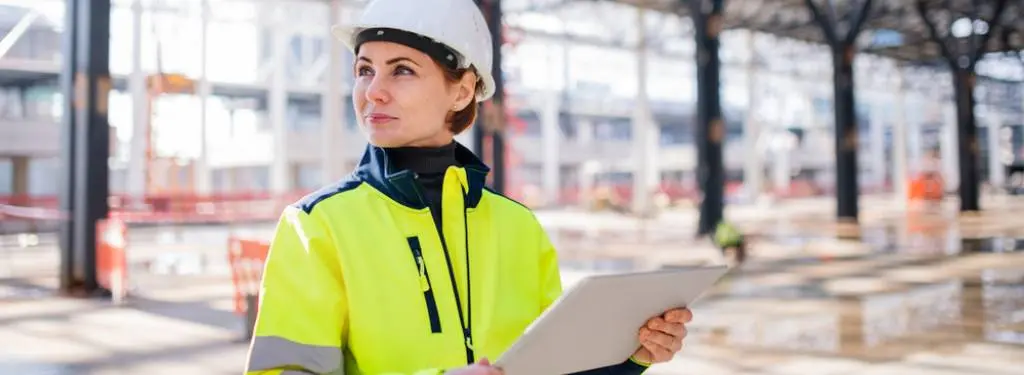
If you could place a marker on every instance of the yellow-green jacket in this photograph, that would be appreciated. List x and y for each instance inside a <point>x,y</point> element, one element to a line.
<point>358,281</point>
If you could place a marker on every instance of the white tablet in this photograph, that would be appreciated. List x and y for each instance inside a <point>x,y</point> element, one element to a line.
<point>596,322</point>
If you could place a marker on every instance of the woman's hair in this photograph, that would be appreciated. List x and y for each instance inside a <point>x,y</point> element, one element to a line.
<point>461,120</point>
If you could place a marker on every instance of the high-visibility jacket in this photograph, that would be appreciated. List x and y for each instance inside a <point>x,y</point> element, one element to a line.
<point>358,280</point>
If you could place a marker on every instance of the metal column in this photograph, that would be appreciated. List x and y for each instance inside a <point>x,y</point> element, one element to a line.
<point>333,154</point>
<point>962,58</point>
<point>137,173</point>
<point>843,52</point>
<point>753,164</point>
<point>899,142</point>
<point>551,139</point>
<point>877,133</point>
<point>947,146</point>
<point>494,127</point>
<point>996,170</point>
<point>967,140</point>
<point>645,145</point>
<point>710,129</point>
<point>91,148</point>
<point>67,153</point>
<point>203,176</point>
<point>277,99</point>
<point>847,186</point>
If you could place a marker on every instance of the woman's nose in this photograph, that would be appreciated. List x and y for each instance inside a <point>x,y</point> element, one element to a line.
<point>376,90</point>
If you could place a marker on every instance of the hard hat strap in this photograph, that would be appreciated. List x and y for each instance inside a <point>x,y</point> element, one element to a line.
<point>436,50</point>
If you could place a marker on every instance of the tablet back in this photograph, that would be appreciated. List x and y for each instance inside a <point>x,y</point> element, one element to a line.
<point>596,322</point>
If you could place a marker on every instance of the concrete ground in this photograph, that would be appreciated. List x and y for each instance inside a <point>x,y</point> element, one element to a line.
<point>906,292</point>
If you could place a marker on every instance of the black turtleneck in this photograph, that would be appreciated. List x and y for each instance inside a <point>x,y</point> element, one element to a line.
<point>429,165</point>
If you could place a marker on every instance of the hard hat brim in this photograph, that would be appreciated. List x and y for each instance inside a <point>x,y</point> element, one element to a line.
<point>346,35</point>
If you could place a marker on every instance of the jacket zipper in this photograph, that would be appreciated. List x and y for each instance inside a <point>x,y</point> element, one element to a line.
<point>469,291</point>
<point>428,292</point>
<point>467,335</point>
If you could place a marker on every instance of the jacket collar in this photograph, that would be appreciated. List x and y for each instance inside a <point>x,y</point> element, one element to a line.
<point>400,184</point>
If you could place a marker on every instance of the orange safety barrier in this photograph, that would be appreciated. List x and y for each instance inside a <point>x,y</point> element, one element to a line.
<point>246,258</point>
<point>925,188</point>
<point>111,258</point>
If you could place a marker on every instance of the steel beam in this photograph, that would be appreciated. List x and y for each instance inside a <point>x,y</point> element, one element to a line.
<point>203,180</point>
<point>494,126</point>
<point>67,153</point>
<point>333,122</point>
<point>899,141</point>
<point>844,102</point>
<point>645,131</point>
<point>753,165</point>
<point>19,29</point>
<point>91,149</point>
<point>137,172</point>
<point>708,20</point>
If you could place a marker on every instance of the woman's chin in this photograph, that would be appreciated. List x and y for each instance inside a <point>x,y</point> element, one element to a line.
<point>386,140</point>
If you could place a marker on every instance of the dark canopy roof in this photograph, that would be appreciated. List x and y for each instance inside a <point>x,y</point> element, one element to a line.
<point>893,29</point>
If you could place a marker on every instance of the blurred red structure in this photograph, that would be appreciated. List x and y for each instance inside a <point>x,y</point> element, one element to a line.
<point>37,213</point>
<point>162,208</point>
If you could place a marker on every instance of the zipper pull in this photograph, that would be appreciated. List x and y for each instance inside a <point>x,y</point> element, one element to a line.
<point>424,284</point>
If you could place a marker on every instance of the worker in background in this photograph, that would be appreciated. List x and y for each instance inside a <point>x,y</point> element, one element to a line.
<point>410,265</point>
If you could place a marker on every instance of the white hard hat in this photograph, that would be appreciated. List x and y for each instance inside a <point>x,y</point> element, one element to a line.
<point>457,24</point>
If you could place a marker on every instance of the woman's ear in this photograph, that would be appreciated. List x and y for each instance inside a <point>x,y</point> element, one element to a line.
<point>467,90</point>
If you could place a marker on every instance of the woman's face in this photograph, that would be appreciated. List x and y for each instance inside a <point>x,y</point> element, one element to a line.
<point>401,96</point>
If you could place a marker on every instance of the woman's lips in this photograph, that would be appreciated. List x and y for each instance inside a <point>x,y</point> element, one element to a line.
<point>379,118</point>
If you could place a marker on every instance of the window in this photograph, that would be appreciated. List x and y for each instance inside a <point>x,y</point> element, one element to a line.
<point>307,176</point>
<point>303,115</point>
<point>613,130</point>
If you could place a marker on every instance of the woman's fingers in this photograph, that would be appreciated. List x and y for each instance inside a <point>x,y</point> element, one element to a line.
<point>681,315</point>
<point>662,340</point>
<point>668,327</point>
<point>658,352</point>
<point>662,336</point>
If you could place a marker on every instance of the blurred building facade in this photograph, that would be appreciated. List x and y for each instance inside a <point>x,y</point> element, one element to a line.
<point>260,70</point>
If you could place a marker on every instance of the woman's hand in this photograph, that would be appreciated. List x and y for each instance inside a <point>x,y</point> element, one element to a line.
<point>482,367</point>
<point>662,336</point>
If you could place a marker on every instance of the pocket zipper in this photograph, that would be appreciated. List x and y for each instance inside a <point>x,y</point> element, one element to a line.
<point>424,279</point>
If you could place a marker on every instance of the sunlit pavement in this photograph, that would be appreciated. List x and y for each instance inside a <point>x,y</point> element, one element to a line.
<point>900,294</point>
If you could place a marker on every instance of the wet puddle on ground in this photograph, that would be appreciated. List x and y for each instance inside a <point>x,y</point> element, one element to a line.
<point>936,286</point>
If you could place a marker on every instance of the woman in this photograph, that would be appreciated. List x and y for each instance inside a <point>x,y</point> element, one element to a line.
<point>410,265</point>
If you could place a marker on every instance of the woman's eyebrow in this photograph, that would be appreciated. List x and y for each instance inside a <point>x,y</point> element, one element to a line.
<point>391,61</point>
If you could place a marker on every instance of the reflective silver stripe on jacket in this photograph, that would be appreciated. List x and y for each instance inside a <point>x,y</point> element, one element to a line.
<point>297,372</point>
<point>271,352</point>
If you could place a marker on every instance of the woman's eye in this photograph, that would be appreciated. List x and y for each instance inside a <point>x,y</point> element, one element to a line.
<point>364,71</point>
<point>401,70</point>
